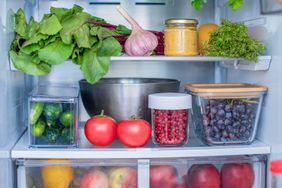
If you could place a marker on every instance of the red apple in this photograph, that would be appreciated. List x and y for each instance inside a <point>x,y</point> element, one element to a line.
<point>94,179</point>
<point>163,176</point>
<point>237,176</point>
<point>203,176</point>
<point>123,177</point>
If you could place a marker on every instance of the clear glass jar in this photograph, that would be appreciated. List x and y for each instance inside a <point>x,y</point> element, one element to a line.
<point>276,173</point>
<point>181,38</point>
<point>170,113</point>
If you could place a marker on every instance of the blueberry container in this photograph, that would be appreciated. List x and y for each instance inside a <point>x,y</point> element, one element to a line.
<point>53,117</point>
<point>170,112</point>
<point>226,113</point>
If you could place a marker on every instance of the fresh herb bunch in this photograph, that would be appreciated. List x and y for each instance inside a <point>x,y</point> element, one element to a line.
<point>232,40</point>
<point>61,35</point>
<point>234,4</point>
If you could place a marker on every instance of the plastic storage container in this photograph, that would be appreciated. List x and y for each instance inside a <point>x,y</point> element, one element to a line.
<point>170,118</point>
<point>226,113</point>
<point>276,173</point>
<point>53,116</point>
<point>63,173</point>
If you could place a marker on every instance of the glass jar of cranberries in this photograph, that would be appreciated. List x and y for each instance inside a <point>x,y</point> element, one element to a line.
<point>170,118</point>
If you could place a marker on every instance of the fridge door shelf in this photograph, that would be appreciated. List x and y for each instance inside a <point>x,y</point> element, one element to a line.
<point>263,64</point>
<point>116,151</point>
<point>238,63</point>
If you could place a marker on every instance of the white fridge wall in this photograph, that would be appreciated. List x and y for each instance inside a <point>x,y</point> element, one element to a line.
<point>149,17</point>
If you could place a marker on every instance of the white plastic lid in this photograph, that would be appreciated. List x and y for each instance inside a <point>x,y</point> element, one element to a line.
<point>170,101</point>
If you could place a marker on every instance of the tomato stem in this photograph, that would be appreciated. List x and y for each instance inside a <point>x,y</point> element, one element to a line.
<point>134,117</point>
<point>102,114</point>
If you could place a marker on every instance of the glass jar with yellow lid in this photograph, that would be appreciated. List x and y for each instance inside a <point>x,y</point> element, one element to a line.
<point>181,37</point>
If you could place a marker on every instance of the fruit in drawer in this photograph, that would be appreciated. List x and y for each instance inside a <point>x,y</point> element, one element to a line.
<point>203,176</point>
<point>134,132</point>
<point>52,111</point>
<point>124,177</point>
<point>57,176</point>
<point>237,175</point>
<point>94,178</point>
<point>164,176</point>
<point>100,130</point>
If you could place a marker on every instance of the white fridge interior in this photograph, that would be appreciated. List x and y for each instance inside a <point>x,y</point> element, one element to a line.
<point>15,86</point>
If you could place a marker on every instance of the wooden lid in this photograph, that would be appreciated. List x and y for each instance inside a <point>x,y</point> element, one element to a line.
<point>225,88</point>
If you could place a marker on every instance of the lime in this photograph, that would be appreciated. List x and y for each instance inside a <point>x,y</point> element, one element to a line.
<point>38,128</point>
<point>66,118</point>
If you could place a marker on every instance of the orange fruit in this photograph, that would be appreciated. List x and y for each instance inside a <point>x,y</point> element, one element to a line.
<point>204,32</point>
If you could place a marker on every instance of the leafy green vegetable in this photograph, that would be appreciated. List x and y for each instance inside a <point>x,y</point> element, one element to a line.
<point>20,23</point>
<point>29,64</point>
<point>50,21</point>
<point>232,40</point>
<point>95,63</point>
<point>234,4</point>
<point>65,34</point>
<point>56,52</point>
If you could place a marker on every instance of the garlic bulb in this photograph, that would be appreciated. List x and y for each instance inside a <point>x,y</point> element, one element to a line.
<point>140,42</point>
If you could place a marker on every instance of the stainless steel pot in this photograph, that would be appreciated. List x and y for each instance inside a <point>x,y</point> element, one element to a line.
<point>121,98</point>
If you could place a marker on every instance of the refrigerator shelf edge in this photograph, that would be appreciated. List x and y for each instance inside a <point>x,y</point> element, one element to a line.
<point>263,64</point>
<point>21,150</point>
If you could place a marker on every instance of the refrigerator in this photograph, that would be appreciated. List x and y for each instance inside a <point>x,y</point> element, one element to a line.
<point>21,166</point>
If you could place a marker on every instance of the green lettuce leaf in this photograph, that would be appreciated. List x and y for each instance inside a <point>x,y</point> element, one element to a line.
<point>35,39</point>
<point>31,28</point>
<point>63,13</point>
<point>50,25</point>
<point>30,48</point>
<point>72,24</point>
<point>20,22</point>
<point>29,64</point>
<point>122,30</point>
<point>82,37</point>
<point>96,60</point>
<point>55,53</point>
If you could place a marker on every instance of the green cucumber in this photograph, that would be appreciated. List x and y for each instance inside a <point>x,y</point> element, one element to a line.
<point>35,112</point>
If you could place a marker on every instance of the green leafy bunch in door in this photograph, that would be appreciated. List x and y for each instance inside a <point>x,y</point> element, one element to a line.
<point>234,4</point>
<point>64,34</point>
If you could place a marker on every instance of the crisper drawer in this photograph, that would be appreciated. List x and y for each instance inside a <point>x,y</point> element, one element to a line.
<point>65,173</point>
<point>216,172</point>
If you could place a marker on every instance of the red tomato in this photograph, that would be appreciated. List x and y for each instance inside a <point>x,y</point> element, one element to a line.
<point>134,132</point>
<point>203,176</point>
<point>100,130</point>
<point>237,175</point>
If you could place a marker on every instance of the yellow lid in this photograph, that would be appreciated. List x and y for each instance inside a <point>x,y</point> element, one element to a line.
<point>225,88</point>
<point>181,21</point>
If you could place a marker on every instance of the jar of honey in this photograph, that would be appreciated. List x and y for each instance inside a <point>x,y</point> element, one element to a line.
<point>181,37</point>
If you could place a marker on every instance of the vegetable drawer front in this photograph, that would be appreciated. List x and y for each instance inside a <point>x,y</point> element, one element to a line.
<point>65,173</point>
<point>217,172</point>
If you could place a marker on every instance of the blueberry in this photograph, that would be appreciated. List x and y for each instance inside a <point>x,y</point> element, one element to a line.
<point>249,111</point>
<point>224,133</point>
<point>252,116</point>
<point>244,116</point>
<point>235,114</point>
<point>249,126</point>
<point>229,128</point>
<point>208,131</point>
<point>228,108</point>
<point>236,124</point>
<point>227,122</point>
<point>220,105</point>
<point>213,102</point>
<point>220,113</point>
<point>213,122</point>
<point>221,126</point>
<point>228,115</point>
<point>215,129</point>
<point>207,109</point>
<point>247,134</point>
<point>220,122</point>
<point>236,131</point>
<point>217,135</point>
<point>244,122</point>
<point>231,135</point>
<point>213,110</point>
<point>242,129</point>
